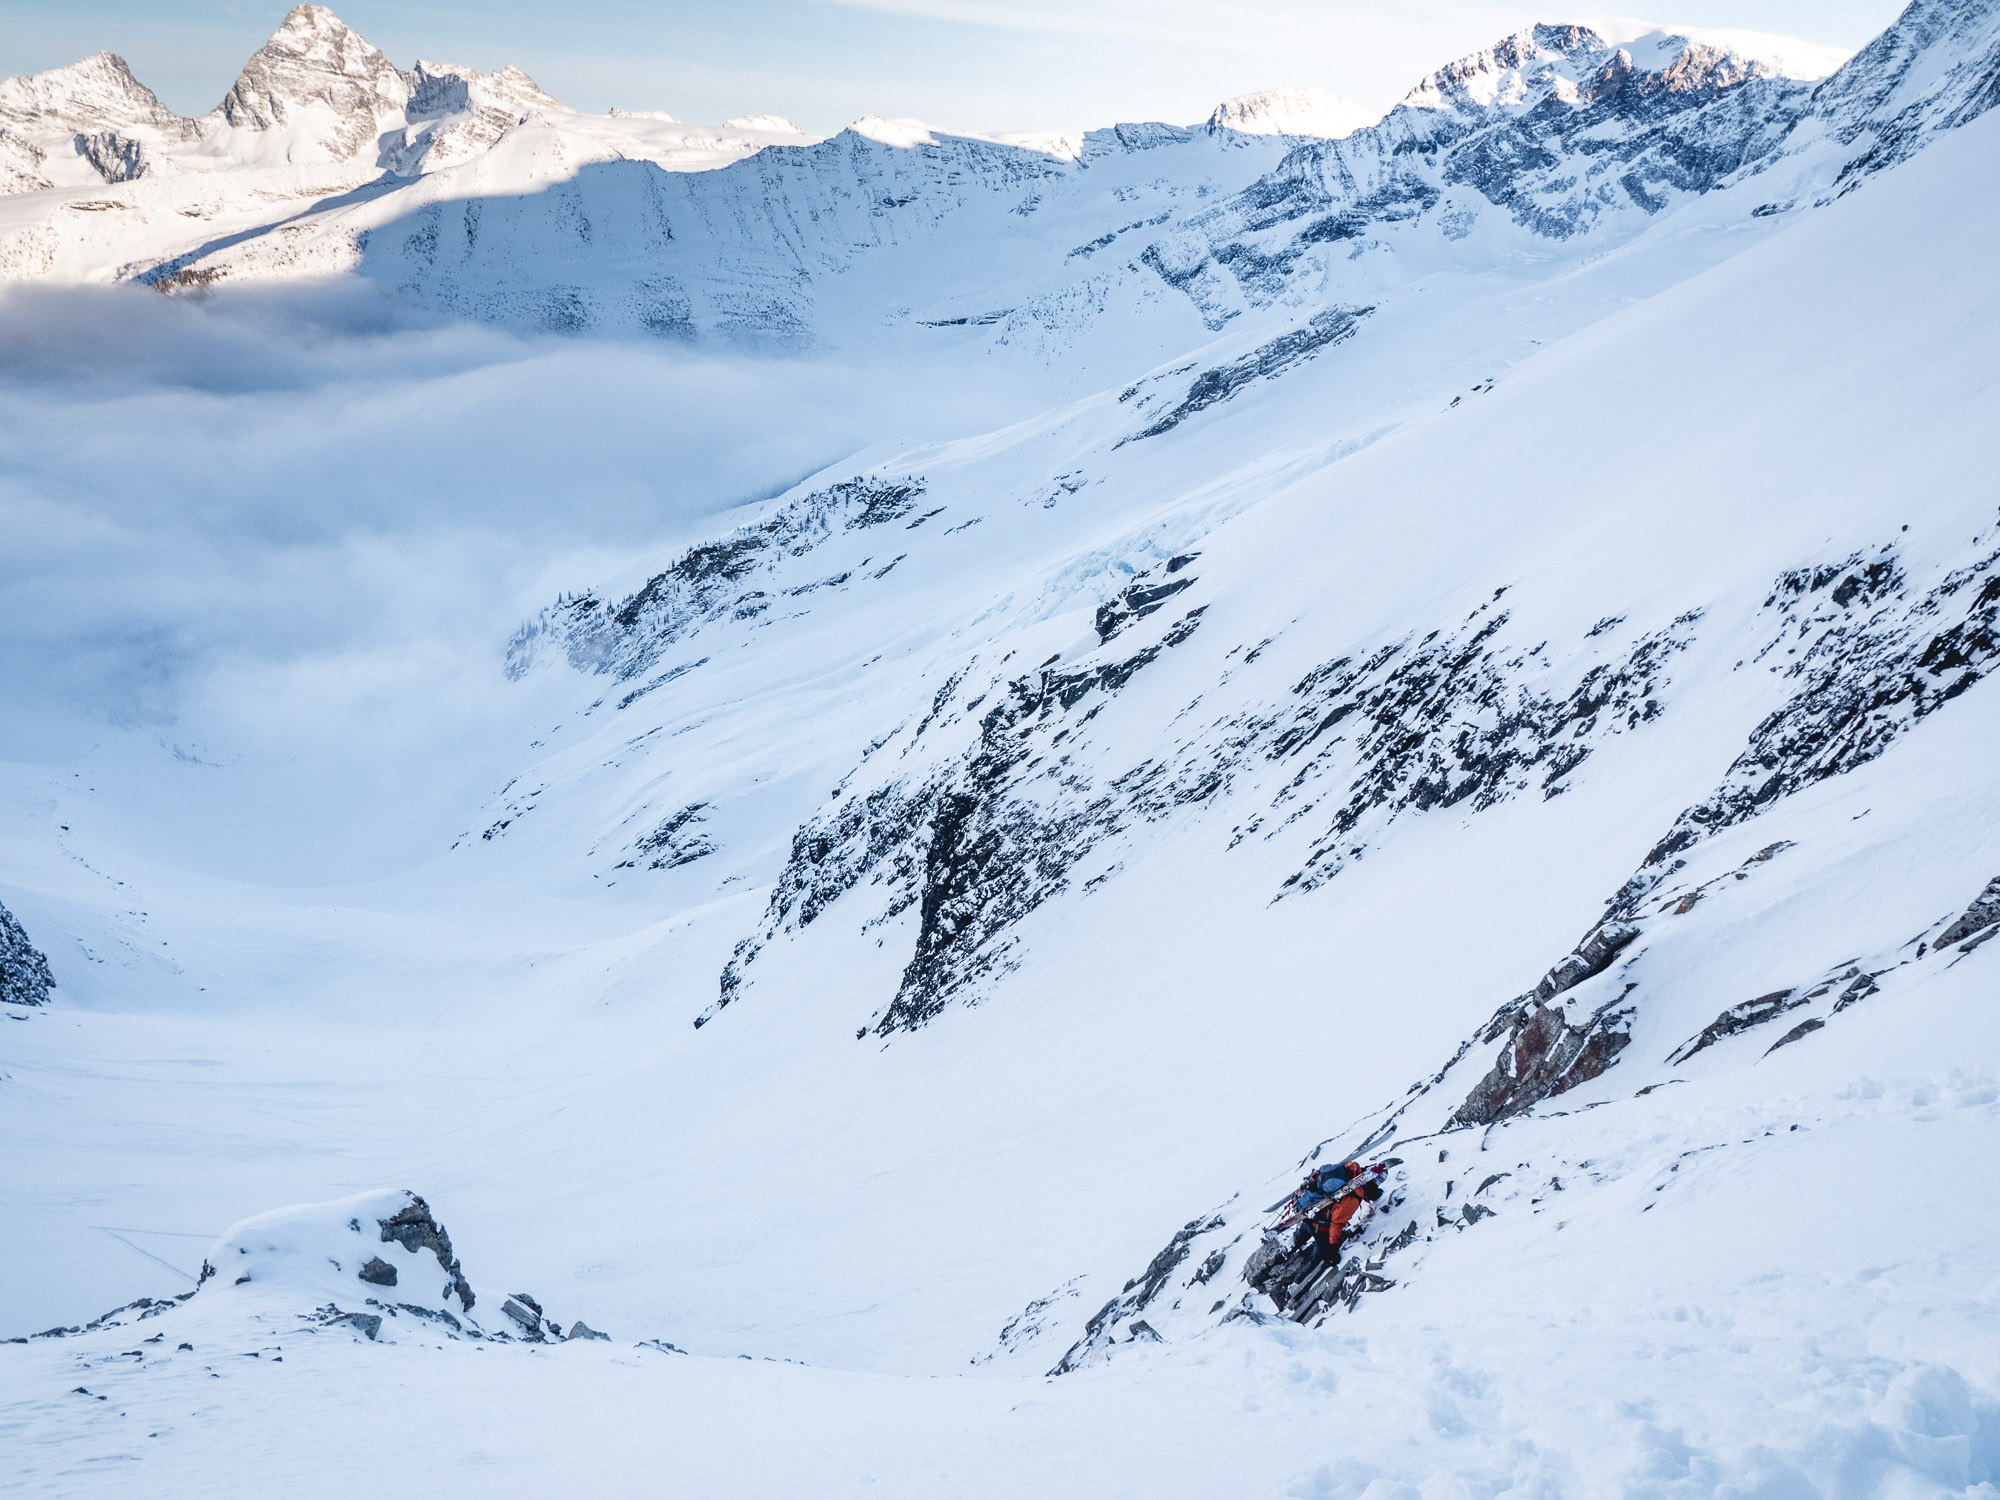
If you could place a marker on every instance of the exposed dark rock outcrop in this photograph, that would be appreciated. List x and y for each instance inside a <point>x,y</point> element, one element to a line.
<point>980,842</point>
<point>140,1309</point>
<point>115,157</point>
<point>1548,1051</point>
<point>1546,1054</point>
<point>415,1229</point>
<point>1872,658</point>
<point>1325,329</point>
<point>708,582</point>
<point>1983,913</point>
<point>1738,1018</point>
<point>24,973</point>
<point>526,1313</point>
<point>1142,598</point>
<point>1447,720</point>
<point>1318,1290</point>
<point>1799,1032</point>
<point>369,1325</point>
<point>1852,982</point>
<point>1137,1295</point>
<point>675,842</point>
<point>1592,957</point>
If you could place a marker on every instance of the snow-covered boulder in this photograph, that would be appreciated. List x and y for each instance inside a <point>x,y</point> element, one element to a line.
<point>376,1248</point>
<point>361,1261</point>
<point>368,1265</point>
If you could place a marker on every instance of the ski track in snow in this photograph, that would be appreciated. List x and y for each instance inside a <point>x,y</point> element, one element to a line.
<point>1479,650</point>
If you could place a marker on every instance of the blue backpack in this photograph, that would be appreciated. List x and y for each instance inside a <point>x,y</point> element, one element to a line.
<point>1332,1179</point>
<point>1324,1182</point>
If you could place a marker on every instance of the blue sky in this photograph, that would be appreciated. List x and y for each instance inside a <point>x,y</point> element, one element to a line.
<point>972,64</point>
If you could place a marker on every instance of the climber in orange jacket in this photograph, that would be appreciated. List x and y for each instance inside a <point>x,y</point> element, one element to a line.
<point>1336,1217</point>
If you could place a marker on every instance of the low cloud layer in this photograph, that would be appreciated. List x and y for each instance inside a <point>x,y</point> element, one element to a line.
<point>289,535</point>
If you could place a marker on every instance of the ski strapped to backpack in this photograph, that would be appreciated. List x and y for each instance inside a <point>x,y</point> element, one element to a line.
<point>1293,1212</point>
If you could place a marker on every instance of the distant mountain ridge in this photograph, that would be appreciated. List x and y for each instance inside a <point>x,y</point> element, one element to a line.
<point>436,181</point>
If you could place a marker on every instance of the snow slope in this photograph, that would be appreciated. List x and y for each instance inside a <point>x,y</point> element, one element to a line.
<point>1484,711</point>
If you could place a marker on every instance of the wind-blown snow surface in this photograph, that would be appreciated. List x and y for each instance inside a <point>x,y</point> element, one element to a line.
<point>1057,834</point>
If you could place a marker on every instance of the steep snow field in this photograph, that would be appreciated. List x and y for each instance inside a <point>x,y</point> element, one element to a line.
<point>833,956</point>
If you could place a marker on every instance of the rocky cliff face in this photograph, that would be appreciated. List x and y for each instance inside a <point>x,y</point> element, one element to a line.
<point>1935,69</point>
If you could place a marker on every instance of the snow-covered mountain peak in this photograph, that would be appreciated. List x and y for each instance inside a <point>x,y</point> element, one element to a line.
<point>901,133</point>
<point>1944,51</point>
<point>98,93</point>
<point>456,113</point>
<point>1516,70</point>
<point>1657,48</point>
<point>451,88</point>
<point>318,88</point>
<point>1578,64</point>
<point>1292,110</point>
<point>88,122</point>
<point>769,124</point>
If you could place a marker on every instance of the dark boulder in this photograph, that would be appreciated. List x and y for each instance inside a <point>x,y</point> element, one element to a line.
<point>378,1272</point>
